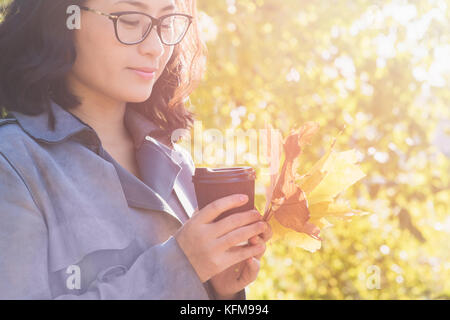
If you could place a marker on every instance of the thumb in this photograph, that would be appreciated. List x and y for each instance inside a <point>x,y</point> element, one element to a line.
<point>196,210</point>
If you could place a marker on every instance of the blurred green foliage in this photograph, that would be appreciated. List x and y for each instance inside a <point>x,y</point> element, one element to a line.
<point>381,69</point>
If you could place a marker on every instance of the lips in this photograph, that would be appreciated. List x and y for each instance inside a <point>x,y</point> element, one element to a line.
<point>145,73</point>
<point>145,70</point>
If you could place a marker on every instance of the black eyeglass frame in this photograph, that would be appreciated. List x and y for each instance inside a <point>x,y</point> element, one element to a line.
<point>114,17</point>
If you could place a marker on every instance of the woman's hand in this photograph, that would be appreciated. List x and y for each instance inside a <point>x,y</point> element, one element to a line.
<point>211,246</point>
<point>237,277</point>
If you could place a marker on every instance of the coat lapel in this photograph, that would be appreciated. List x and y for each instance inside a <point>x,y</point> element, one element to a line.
<point>159,169</point>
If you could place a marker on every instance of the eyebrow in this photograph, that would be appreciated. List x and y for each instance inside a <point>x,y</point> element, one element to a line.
<point>143,6</point>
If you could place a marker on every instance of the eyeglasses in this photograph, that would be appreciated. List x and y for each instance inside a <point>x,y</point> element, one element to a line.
<point>132,27</point>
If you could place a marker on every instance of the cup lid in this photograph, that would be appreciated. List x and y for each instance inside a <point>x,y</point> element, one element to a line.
<point>223,175</point>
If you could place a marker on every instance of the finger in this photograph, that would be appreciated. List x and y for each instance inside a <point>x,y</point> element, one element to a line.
<point>255,240</point>
<point>253,264</point>
<point>215,208</point>
<point>240,254</point>
<point>250,271</point>
<point>267,235</point>
<point>237,268</point>
<point>259,256</point>
<point>235,221</point>
<point>241,234</point>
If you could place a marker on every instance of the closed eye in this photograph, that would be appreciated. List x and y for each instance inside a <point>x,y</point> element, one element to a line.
<point>131,22</point>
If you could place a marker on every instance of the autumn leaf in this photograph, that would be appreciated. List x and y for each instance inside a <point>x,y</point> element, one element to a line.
<point>275,152</point>
<point>341,172</point>
<point>293,213</point>
<point>301,205</point>
<point>289,204</point>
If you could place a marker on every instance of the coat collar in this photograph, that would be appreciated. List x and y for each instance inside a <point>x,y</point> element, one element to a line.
<point>158,169</point>
<point>37,126</point>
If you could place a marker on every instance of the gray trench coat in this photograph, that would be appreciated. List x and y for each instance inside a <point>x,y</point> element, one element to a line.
<point>74,224</point>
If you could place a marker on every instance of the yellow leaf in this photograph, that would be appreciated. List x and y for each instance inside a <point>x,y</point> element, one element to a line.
<point>302,204</point>
<point>292,238</point>
<point>321,223</point>
<point>341,209</point>
<point>316,174</point>
<point>342,172</point>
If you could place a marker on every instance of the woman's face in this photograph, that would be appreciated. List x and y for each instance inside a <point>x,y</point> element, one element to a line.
<point>105,65</point>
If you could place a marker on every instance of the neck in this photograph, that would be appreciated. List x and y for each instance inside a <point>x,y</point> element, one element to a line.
<point>106,121</point>
<point>104,114</point>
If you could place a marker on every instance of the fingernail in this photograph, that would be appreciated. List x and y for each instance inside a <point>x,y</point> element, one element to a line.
<point>243,197</point>
<point>257,213</point>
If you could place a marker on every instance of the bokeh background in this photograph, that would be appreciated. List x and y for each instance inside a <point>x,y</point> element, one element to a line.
<point>382,70</point>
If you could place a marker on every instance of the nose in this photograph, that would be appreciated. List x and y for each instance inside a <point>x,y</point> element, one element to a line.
<point>152,45</point>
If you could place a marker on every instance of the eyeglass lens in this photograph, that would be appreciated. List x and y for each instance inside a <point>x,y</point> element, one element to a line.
<point>133,27</point>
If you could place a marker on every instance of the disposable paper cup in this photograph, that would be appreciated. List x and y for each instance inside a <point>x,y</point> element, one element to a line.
<point>214,183</point>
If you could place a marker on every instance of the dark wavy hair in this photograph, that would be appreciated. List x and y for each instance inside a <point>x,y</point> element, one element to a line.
<point>37,51</point>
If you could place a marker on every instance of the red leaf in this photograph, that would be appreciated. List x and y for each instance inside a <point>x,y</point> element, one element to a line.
<point>288,202</point>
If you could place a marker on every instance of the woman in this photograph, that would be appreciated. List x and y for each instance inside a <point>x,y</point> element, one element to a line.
<point>93,203</point>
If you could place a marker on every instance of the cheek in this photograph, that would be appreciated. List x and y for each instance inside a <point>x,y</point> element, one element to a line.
<point>102,64</point>
<point>99,56</point>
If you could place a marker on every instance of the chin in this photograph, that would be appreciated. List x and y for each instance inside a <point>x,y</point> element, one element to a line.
<point>138,96</point>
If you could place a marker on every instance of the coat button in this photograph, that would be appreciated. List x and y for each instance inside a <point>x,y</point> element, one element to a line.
<point>111,272</point>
